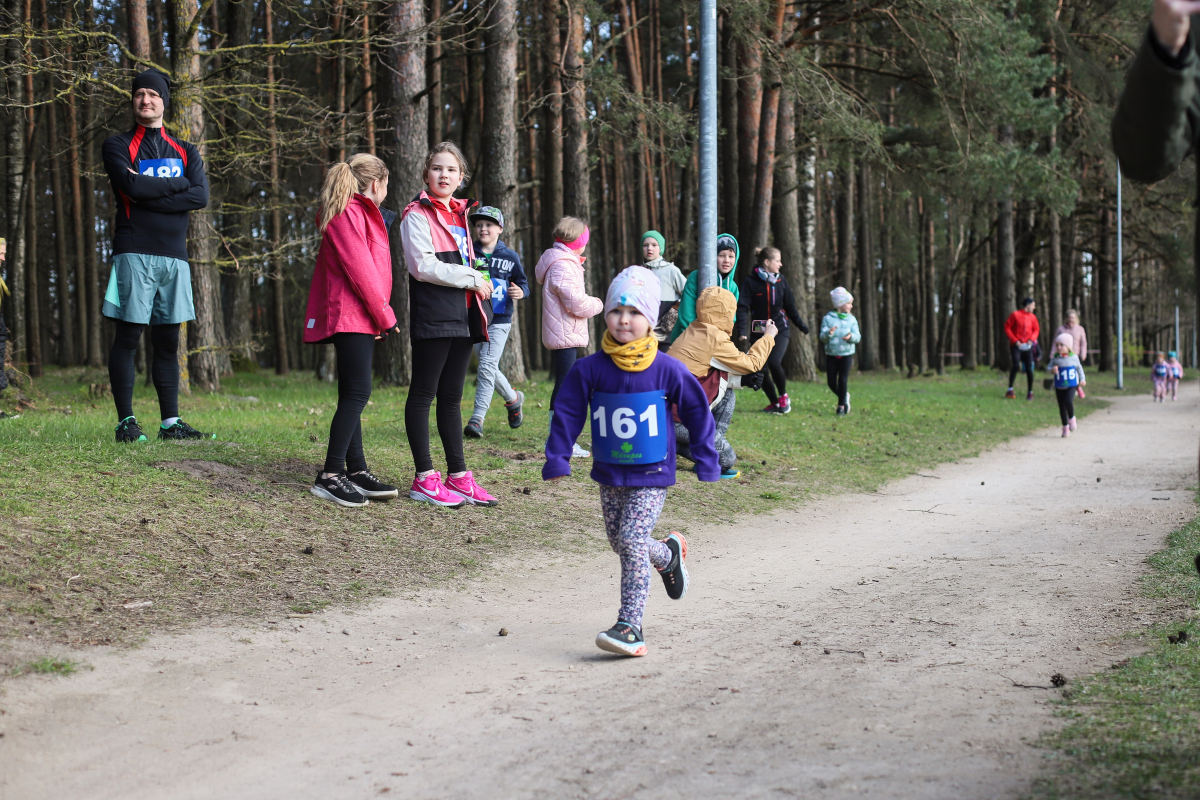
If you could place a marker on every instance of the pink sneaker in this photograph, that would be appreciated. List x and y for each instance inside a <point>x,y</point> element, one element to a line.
<point>1071,423</point>
<point>471,491</point>
<point>1066,431</point>
<point>432,490</point>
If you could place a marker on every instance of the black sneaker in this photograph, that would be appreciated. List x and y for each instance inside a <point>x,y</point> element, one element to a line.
<point>370,486</point>
<point>622,639</point>
<point>181,430</point>
<point>474,429</point>
<point>675,574</point>
<point>338,489</point>
<point>129,431</point>
<point>515,415</point>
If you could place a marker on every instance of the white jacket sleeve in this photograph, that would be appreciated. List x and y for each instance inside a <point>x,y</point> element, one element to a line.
<point>422,261</point>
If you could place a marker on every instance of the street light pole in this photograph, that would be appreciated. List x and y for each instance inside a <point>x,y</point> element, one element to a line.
<point>1120,291</point>
<point>707,257</point>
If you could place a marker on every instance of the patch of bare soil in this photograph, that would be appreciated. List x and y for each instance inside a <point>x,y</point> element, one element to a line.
<point>900,644</point>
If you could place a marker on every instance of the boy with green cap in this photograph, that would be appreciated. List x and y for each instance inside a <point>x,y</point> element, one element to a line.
<point>670,279</point>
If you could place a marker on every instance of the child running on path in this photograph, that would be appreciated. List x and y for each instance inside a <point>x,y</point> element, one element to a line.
<point>503,267</point>
<point>566,306</point>
<point>1160,372</point>
<point>839,332</point>
<point>1068,376</point>
<point>627,391</point>
<point>448,315</point>
<point>711,356</point>
<point>348,305</point>
<point>1176,374</point>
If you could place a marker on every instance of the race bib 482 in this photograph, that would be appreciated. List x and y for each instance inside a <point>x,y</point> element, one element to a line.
<point>161,167</point>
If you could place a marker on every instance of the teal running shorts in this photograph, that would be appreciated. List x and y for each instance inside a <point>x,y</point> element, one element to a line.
<point>149,289</point>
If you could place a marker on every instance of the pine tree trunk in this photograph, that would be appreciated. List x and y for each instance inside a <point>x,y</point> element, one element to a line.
<point>730,176</point>
<point>1105,289</point>
<point>139,29</point>
<point>87,159</point>
<point>844,205</point>
<point>868,296</point>
<point>15,196</point>
<point>367,79</point>
<point>750,96</point>
<point>931,310</point>
<point>279,318</point>
<point>786,231</point>
<point>62,259</point>
<point>1005,300</point>
<point>74,168</point>
<point>1056,309</point>
<point>433,69</point>
<point>410,117</point>
<point>888,277</point>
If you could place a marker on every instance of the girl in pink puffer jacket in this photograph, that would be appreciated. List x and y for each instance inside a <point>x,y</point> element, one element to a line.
<point>566,306</point>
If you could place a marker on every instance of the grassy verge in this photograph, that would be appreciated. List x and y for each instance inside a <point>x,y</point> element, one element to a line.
<point>91,531</point>
<point>1132,731</point>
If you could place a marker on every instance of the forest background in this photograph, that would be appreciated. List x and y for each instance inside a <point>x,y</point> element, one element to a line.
<point>940,158</point>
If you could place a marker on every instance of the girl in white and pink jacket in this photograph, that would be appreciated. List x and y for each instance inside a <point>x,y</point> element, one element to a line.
<point>566,306</point>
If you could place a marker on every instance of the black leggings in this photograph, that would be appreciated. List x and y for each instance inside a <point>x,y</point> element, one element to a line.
<point>1066,404</point>
<point>1022,361</point>
<point>837,372</point>
<point>164,368</point>
<point>563,361</point>
<point>774,381</point>
<point>354,357</point>
<point>439,369</point>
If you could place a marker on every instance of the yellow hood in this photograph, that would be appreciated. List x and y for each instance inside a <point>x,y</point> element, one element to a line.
<point>717,307</point>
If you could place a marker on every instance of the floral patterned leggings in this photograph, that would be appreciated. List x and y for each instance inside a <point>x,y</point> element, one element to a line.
<point>629,517</point>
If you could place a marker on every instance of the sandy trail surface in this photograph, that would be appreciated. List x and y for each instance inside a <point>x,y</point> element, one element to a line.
<point>861,644</point>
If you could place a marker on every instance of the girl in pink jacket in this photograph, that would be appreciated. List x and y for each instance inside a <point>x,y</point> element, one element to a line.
<point>348,305</point>
<point>566,306</point>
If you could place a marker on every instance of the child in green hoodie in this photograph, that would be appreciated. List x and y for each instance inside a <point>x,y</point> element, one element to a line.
<point>727,258</point>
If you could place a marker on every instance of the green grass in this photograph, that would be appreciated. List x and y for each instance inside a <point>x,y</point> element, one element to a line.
<point>1132,731</point>
<point>48,666</point>
<point>227,527</point>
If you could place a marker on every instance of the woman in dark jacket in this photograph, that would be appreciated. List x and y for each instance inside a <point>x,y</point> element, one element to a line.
<point>764,294</point>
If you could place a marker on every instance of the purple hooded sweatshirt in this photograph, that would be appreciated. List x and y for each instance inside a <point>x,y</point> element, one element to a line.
<point>599,373</point>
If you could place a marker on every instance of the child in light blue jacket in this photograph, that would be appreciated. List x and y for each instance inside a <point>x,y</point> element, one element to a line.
<point>839,333</point>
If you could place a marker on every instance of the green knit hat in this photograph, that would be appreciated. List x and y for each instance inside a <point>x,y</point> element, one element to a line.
<point>658,237</point>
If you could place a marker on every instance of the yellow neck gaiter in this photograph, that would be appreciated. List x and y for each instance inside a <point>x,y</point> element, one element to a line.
<point>633,357</point>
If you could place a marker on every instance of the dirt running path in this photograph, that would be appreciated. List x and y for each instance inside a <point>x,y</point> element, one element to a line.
<point>917,609</point>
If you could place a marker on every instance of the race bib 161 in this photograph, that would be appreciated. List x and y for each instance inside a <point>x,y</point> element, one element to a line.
<point>161,167</point>
<point>630,429</point>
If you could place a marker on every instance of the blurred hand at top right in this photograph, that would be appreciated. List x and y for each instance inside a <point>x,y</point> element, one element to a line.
<point>771,329</point>
<point>1171,20</point>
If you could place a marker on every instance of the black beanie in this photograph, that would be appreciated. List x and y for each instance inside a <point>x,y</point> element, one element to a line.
<point>156,80</point>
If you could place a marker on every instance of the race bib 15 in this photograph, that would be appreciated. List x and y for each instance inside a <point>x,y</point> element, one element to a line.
<point>630,429</point>
<point>161,167</point>
<point>1067,378</point>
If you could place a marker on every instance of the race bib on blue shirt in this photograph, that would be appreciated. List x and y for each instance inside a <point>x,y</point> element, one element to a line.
<point>500,302</point>
<point>1067,378</point>
<point>1160,370</point>
<point>161,167</point>
<point>630,429</point>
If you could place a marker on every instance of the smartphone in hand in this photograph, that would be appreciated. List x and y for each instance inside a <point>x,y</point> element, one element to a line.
<point>758,326</point>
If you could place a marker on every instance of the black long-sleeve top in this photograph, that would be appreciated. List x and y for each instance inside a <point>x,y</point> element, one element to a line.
<point>152,209</point>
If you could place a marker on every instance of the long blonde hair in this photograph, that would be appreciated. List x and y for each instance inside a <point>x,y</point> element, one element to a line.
<point>343,180</point>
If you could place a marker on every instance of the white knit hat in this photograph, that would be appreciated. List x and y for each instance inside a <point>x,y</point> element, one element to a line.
<point>840,297</point>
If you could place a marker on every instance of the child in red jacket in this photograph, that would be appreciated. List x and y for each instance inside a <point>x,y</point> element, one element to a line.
<point>348,305</point>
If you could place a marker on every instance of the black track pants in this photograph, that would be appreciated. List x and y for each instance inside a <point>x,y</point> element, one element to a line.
<point>563,361</point>
<point>355,352</point>
<point>1022,361</point>
<point>1066,404</point>
<point>439,370</point>
<point>774,381</point>
<point>837,373</point>
<point>164,369</point>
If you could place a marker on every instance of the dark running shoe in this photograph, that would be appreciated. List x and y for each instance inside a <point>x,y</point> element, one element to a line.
<point>370,486</point>
<point>181,430</point>
<point>474,429</point>
<point>1010,395</point>
<point>129,431</point>
<point>338,489</point>
<point>622,639</point>
<point>515,415</point>
<point>675,574</point>
<point>1029,396</point>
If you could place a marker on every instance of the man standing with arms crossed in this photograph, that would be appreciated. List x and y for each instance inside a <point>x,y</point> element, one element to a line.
<point>156,180</point>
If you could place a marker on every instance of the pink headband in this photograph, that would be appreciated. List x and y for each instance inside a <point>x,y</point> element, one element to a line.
<point>578,243</point>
